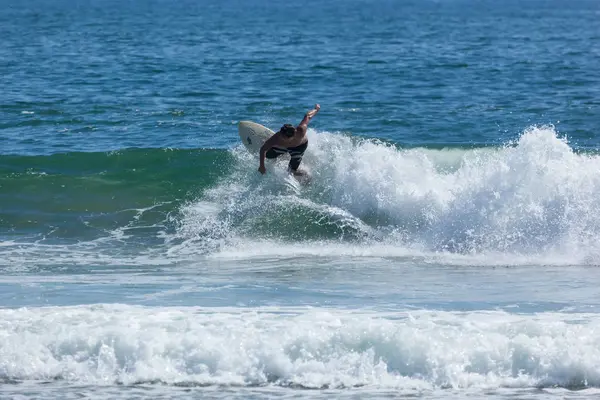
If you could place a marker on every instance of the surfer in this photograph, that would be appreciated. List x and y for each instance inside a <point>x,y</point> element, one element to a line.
<point>288,140</point>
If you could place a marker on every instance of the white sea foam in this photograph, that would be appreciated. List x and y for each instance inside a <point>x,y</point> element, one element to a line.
<point>533,200</point>
<point>417,350</point>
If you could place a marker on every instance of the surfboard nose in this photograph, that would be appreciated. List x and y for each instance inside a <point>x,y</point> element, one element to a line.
<point>253,135</point>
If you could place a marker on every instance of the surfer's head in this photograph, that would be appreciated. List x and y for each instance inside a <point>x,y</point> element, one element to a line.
<point>287,130</point>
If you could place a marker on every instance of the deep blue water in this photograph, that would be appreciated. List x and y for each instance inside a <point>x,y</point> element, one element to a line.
<point>109,75</point>
<point>447,245</point>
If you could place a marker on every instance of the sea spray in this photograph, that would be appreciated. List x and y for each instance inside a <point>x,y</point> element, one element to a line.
<point>533,197</point>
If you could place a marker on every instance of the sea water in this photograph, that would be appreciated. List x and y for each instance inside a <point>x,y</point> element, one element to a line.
<point>447,245</point>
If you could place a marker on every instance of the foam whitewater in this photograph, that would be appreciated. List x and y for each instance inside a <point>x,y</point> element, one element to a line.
<point>531,199</point>
<point>410,351</point>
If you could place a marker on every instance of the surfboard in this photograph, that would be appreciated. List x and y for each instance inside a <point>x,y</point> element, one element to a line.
<point>253,135</point>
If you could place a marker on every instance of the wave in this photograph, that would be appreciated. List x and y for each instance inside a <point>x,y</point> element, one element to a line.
<point>532,198</point>
<point>78,197</point>
<point>289,347</point>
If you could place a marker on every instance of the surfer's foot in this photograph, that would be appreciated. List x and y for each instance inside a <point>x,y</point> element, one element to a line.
<point>299,172</point>
<point>301,176</point>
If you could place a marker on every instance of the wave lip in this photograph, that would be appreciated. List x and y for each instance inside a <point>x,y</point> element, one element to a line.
<point>287,347</point>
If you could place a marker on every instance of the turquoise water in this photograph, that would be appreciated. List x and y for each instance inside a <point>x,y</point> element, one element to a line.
<point>447,245</point>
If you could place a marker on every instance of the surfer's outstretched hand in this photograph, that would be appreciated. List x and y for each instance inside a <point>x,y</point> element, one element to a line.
<point>262,169</point>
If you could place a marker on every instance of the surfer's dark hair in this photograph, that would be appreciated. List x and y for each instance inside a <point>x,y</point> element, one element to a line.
<point>288,130</point>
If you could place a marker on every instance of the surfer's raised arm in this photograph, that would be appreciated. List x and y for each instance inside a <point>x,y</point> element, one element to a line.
<point>309,115</point>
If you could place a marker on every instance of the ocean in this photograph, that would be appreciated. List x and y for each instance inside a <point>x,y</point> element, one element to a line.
<point>447,245</point>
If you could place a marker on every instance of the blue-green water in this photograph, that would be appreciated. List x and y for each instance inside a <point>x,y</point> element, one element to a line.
<point>447,245</point>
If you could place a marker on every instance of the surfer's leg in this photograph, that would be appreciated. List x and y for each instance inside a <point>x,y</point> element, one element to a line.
<point>296,154</point>
<point>274,152</point>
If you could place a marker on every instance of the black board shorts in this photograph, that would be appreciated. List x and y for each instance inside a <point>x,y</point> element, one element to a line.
<point>295,153</point>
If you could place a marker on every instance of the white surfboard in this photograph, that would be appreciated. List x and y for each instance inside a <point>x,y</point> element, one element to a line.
<point>253,135</point>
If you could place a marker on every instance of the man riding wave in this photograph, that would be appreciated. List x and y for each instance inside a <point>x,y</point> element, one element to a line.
<point>288,140</point>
